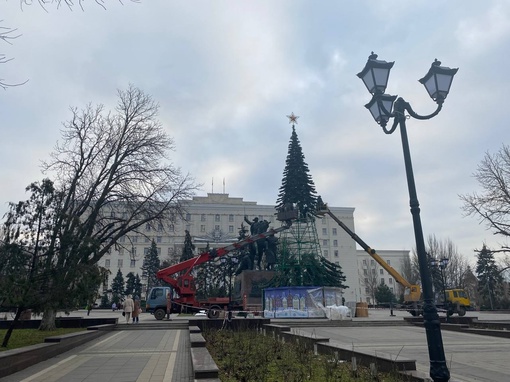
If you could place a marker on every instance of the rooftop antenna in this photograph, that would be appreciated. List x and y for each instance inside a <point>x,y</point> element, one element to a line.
<point>212,185</point>
<point>223,185</point>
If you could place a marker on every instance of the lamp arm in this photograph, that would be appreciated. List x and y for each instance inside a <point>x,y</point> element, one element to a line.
<point>415,115</point>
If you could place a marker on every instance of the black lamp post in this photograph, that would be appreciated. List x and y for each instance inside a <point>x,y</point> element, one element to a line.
<point>442,264</point>
<point>437,82</point>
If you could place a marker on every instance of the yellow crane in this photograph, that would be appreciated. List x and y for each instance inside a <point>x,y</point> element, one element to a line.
<point>457,300</point>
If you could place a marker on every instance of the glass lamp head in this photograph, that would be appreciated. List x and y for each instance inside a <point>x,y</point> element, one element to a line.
<point>438,81</point>
<point>381,107</point>
<point>375,74</point>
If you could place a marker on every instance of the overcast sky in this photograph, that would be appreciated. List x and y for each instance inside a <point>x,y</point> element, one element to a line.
<point>226,74</point>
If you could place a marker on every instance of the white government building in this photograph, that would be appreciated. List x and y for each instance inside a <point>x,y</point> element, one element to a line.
<point>216,219</point>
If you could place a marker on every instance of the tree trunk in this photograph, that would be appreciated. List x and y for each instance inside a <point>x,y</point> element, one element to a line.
<point>11,328</point>
<point>48,320</point>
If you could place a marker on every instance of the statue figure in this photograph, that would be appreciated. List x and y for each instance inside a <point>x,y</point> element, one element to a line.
<point>244,264</point>
<point>271,249</point>
<point>258,248</point>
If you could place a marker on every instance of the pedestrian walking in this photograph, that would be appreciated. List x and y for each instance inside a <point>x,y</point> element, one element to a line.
<point>129,306</point>
<point>168,305</point>
<point>114,307</point>
<point>136,310</point>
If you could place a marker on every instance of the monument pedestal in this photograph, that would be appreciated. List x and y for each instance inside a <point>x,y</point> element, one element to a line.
<point>248,288</point>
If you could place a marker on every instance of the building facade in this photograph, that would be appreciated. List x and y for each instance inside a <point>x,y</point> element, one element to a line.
<point>216,219</point>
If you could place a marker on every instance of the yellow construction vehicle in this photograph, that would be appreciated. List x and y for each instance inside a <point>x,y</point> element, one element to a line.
<point>457,300</point>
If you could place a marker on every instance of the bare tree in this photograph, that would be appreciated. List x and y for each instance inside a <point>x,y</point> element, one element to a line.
<point>115,177</point>
<point>492,205</point>
<point>410,271</point>
<point>370,280</point>
<point>6,35</point>
<point>69,3</point>
<point>457,266</point>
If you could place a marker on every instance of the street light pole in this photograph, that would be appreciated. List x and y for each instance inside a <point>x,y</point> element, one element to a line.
<point>437,82</point>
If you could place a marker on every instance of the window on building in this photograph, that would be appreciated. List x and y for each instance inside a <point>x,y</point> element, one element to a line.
<point>171,228</point>
<point>325,231</point>
<point>170,252</point>
<point>202,218</point>
<point>147,239</point>
<point>230,228</point>
<point>337,263</point>
<point>160,227</point>
<point>366,281</point>
<point>326,253</point>
<point>391,290</point>
<point>188,227</point>
<point>390,281</point>
<point>367,291</point>
<point>372,262</point>
<point>381,271</point>
<point>388,262</point>
<point>112,214</point>
<point>217,218</point>
<point>107,263</point>
<point>121,251</point>
<point>159,251</point>
<point>134,239</point>
<point>216,227</point>
<point>188,217</point>
<point>120,263</point>
<point>146,250</point>
<point>202,228</point>
<point>365,271</point>
<point>122,239</point>
<point>172,218</point>
<point>159,239</point>
<point>230,218</point>
<point>324,220</point>
<point>324,242</point>
<point>133,251</point>
<point>335,243</point>
<point>334,232</point>
<point>382,282</point>
<point>132,264</point>
<point>365,262</point>
<point>336,252</point>
<point>373,271</point>
<point>147,227</point>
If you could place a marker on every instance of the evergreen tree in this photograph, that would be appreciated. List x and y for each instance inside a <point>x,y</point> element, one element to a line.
<point>297,185</point>
<point>105,303</point>
<point>130,284</point>
<point>312,271</point>
<point>384,295</point>
<point>151,265</point>
<point>188,249</point>
<point>489,278</point>
<point>137,287</point>
<point>117,287</point>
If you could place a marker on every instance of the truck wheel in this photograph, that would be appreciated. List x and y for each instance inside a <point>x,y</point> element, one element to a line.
<point>462,311</point>
<point>159,314</point>
<point>214,311</point>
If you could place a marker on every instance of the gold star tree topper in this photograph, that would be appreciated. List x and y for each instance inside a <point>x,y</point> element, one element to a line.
<point>292,118</point>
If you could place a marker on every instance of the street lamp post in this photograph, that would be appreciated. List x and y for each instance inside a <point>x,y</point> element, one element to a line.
<point>383,107</point>
<point>441,264</point>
